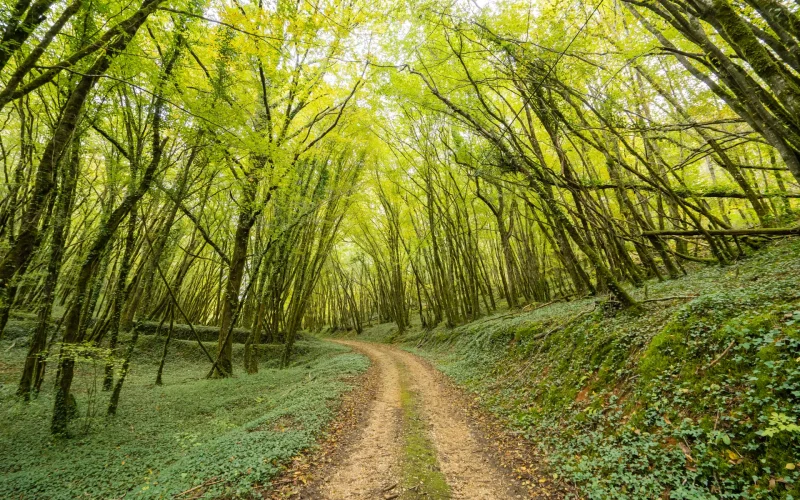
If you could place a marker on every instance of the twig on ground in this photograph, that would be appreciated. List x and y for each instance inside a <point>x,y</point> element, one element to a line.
<point>528,308</point>
<point>674,297</point>
<point>207,483</point>
<point>717,359</point>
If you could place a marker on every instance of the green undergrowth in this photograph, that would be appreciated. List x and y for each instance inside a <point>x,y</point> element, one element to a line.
<point>219,437</point>
<point>421,476</point>
<point>697,397</point>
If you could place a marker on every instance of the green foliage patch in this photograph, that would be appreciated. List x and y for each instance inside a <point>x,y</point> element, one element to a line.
<point>223,436</point>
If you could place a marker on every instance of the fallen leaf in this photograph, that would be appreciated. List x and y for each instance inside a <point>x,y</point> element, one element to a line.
<point>686,451</point>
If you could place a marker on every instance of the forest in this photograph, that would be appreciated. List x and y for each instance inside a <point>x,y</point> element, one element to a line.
<point>404,249</point>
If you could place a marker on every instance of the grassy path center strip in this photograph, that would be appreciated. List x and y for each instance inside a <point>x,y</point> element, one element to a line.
<point>421,476</point>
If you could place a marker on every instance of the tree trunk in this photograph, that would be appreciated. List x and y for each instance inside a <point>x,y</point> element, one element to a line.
<point>232,288</point>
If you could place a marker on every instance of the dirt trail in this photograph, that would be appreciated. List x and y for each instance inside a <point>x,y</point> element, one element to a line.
<point>371,464</point>
<point>372,467</point>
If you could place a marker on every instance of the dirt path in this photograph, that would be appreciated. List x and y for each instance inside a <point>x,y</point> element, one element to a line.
<point>371,464</point>
<point>375,462</point>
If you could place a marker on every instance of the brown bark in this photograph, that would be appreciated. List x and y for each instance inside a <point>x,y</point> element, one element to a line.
<point>233,287</point>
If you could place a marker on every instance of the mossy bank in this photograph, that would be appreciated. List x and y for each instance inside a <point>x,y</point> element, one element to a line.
<point>696,397</point>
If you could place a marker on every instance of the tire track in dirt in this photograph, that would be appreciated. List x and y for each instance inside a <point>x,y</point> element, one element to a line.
<point>373,463</point>
<point>372,459</point>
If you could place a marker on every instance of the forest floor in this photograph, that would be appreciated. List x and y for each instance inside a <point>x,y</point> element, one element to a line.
<point>189,438</point>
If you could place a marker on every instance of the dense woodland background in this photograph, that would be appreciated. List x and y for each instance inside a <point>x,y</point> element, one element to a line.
<point>253,170</point>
